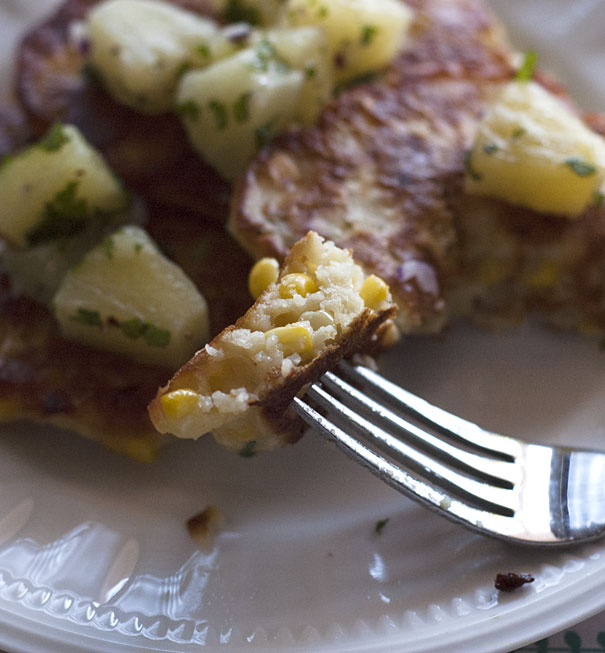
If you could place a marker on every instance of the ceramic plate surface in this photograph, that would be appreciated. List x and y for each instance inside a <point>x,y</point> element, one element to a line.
<point>94,555</point>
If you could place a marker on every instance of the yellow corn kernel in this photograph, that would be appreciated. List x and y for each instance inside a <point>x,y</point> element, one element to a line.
<point>374,291</point>
<point>546,276</point>
<point>179,403</point>
<point>297,283</point>
<point>293,339</point>
<point>262,274</point>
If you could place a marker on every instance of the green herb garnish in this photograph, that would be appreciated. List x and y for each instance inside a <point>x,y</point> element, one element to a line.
<point>368,32</point>
<point>153,335</point>
<point>88,317</point>
<point>380,525</point>
<point>108,245</point>
<point>526,70</point>
<point>219,110</point>
<point>468,165</point>
<point>64,216</point>
<point>204,50</point>
<point>188,109</point>
<point>517,133</point>
<point>54,139</point>
<point>241,110</point>
<point>248,450</point>
<point>580,167</point>
<point>265,133</point>
<point>490,148</point>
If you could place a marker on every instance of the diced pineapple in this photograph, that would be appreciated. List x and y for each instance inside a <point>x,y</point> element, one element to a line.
<point>233,106</point>
<point>305,49</point>
<point>363,35</point>
<point>55,188</point>
<point>140,47</point>
<point>531,150</point>
<point>125,296</point>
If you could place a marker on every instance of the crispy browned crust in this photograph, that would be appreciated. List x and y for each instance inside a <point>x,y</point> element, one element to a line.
<point>378,172</point>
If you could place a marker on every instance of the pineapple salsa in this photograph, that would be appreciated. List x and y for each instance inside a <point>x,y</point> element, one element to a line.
<point>74,237</point>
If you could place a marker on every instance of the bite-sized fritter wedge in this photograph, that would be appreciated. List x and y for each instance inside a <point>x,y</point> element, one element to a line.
<point>150,154</point>
<point>320,308</point>
<point>379,171</point>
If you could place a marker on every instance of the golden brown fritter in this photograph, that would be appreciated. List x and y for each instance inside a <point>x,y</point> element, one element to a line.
<point>378,172</point>
<point>383,173</point>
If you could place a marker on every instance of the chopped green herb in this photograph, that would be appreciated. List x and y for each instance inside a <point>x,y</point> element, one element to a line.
<point>88,317</point>
<point>156,337</point>
<point>322,12</point>
<point>153,335</point>
<point>267,55</point>
<point>138,247</point>
<point>204,50</point>
<point>108,246</point>
<point>310,71</point>
<point>490,148</point>
<point>526,70</point>
<point>54,139</point>
<point>132,328</point>
<point>265,133</point>
<point>468,165</point>
<point>185,67</point>
<point>64,216</point>
<point>368,32</point>
<point>517,133</point>
<point>580,167</point>
<point>248,450</point>
<point>380,525</point>
<point>598,199</point>
<point>219,110</point>
<point>241,110</point>
<point>188,109</point>
<point>238,12</point>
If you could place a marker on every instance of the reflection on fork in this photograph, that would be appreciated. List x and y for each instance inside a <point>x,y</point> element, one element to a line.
<point>493,484</point>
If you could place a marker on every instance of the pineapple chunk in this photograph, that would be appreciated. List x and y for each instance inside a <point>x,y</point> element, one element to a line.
<point>55,188</point>
<point>140,48</point>
<point>363,35</point>
<point>305,49</point>
<point>530,149</point>
<point>233,106</point>
<point>125,296</point>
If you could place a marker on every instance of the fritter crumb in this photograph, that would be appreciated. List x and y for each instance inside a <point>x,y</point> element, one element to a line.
<point>204,526</point>
<point>511,581</point>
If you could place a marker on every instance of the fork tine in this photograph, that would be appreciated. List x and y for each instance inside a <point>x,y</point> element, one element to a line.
<point>482,494</point>
<point>435,418</point>
<point>435,498</point>
<point>488,469</point>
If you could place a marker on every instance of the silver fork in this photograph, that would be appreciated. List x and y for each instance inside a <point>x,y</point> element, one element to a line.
<point>493,484</point>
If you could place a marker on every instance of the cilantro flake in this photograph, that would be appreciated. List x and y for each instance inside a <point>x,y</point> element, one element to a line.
<point>490,148</point>
<point>380,525</point>
<point>526,69</point>
<point>188,109</point>
<point>265,133</point>
<point>368,32</point>
<point>241,111</point>
<point>248,450</point>
<point>54,139</point>
<point>468,165</point>
<point>580,167</point>
<point>156,337</point>
<point>87,317</point>
<point>219,110</point>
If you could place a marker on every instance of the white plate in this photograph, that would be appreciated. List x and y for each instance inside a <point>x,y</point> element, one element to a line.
<point>93,551</point>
